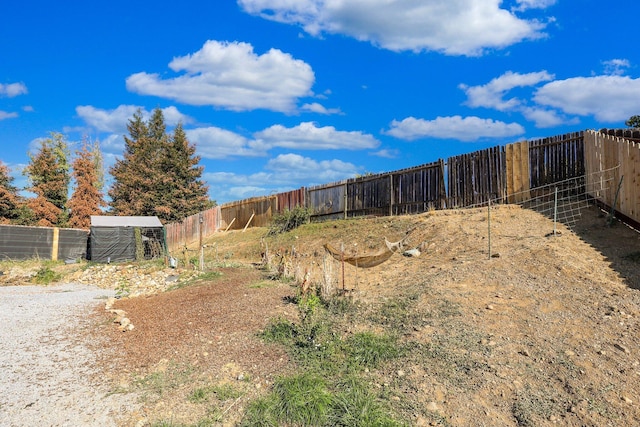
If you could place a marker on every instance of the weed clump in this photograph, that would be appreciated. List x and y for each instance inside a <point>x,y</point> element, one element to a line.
<point>331,390</point>
<point>289,220</point>
<point>45,276</point>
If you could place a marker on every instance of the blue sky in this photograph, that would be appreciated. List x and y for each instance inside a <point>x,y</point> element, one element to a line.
<point>279,94</point>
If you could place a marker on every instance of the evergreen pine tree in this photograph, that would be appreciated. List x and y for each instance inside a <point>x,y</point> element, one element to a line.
<point>185,192</point>
<point>158,174</point>
<point>9,198</point>
<point>129,188</point>
<point>87,199</point>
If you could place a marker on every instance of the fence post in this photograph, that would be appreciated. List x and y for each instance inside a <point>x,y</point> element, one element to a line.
<point>346,186</point>
<point>56,242</point>
<point>391,201</point>
<point>489,225</point>
<point>200,221</point>
<point>612,214</point>
<point>555,210</point>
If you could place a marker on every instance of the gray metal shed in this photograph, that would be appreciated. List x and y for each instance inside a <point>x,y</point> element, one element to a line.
<point>125,238</point>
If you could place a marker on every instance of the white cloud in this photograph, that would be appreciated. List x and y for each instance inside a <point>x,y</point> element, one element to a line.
<point>12,90</point>
<point>290,170</point>
<point>227,186</point>
<point>245,192</point>
<point>116,120</point>
<point>545,118</point>
<point>387,153</point>
<point>491,95</point>
<point>282,173</point>
<point>607,98</point>
<point>7,115</point>
<point>112,143</point>
<point>216,143</point>
<point>294,168</point>
<point>319,109</point>
<point>107,120</point>
<point>616,67</point>
<point>523,5</point>
<point>307,136</point>
<point>230,75</point>
<point>172,116</point>
<point>454,127</point>
<point>454,27</point>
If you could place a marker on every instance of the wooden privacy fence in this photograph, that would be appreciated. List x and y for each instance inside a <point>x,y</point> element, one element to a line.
<point>620,158</point>
<point>404,191</point>
<point>556,159</point>
<point>189,230</point>
<point>255,212</point>
<point>509,174</point>
<point>418,189</point>
<point>477,177</point>
<point>327,201</point>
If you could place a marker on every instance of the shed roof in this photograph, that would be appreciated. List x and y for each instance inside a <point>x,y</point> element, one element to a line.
<point>125,221</point>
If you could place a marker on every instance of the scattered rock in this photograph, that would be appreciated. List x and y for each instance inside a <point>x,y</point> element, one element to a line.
<point>621,348</point>
<point>412,253</point>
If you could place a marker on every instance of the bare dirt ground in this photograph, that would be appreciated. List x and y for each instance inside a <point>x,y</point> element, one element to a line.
<point>544,332</point>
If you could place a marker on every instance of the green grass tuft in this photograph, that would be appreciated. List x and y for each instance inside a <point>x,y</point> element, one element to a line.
<point>46,276</point>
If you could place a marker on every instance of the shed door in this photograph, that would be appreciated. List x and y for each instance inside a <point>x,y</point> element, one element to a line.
<point>112,244</point>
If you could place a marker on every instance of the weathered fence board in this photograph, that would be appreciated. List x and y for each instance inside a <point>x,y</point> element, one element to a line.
<point>289,200</point>
<point>189,230</point>
<point>628,134</point>
<point>556,159</point>
<point>327,201</point>
<point>615,159</point>
<point>369,195</point>
<point>419,189</point>
<point>477,177</point>
<point>255,212</point>
<point>517,174</point>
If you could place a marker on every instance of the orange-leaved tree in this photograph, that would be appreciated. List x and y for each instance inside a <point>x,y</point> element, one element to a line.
<point>87,198</point>
<point>9,198</point>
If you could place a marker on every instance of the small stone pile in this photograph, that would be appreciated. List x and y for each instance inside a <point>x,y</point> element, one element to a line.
<point>121,316</point>
<point>133,280</point>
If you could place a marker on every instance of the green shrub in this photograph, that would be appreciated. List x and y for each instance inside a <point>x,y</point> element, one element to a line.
<point>289,220</point>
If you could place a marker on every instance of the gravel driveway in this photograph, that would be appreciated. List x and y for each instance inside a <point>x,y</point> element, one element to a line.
<point>45,371</point>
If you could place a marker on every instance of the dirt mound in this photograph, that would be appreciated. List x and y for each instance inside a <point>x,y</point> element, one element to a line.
<point>512,325</point>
